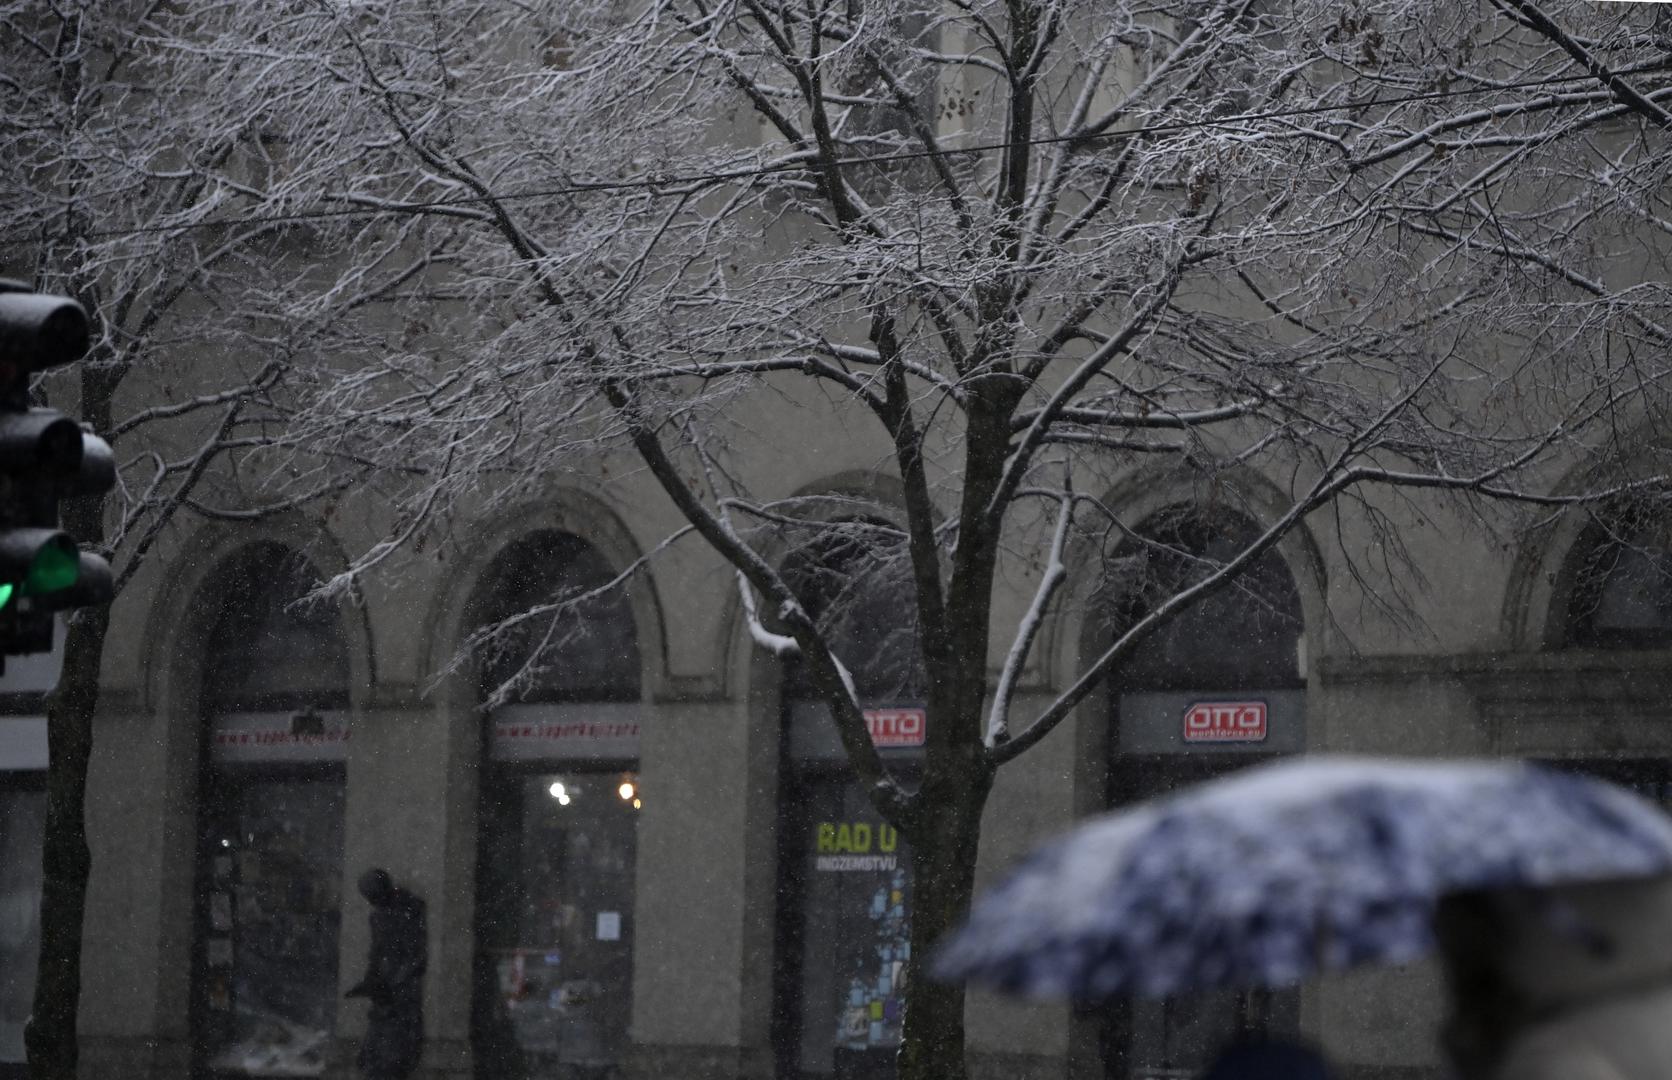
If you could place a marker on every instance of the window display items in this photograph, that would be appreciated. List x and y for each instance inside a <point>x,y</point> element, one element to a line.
<point>269,924</point>
<point>556,922</point>
<point>876,977</point>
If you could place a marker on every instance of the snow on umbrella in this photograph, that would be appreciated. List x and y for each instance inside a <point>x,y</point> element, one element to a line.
<point>1264,877</point>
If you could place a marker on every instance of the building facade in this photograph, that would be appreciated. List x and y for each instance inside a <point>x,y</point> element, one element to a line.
<point>649,860</point>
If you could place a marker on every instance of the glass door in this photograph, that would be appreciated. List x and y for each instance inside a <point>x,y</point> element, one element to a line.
<point>845,935</point>
<point>555,922</point>
<point>1177,1037</point>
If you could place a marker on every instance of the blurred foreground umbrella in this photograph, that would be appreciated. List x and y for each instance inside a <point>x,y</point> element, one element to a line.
<point>1281,870</point>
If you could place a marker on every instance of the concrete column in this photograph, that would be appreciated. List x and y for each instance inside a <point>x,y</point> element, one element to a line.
<point>136,945</point>
<point>1032,800</point>
<point>701,1001</point>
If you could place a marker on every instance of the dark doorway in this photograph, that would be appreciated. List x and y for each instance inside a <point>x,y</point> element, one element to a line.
<point>267,903</point>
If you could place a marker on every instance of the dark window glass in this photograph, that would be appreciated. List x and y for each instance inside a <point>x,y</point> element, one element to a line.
<point>22,825</point>
<point>854,579</point>
<point>269,921</point>
<point>555,923</point>
<point>848,890</point>
<point>584,652</point>
<point>268,647</point>
<point>1618,583</point>
<point>1245,635</point>
<point>270,844</point>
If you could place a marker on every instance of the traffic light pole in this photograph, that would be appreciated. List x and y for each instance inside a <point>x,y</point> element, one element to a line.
<point>46,457</point>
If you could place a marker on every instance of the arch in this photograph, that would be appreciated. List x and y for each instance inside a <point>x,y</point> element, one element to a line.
<point>263,647</point>
<point>1546,567</point>
<point>1245,634</point>
<point>825,944</point>
<point>178,631</point>
<point>590,654</point>
<point>177,627</point>
<point>457,608</point>
<point>557,796</point>
<point>270,810</point>
<point>1614,588</point>
<point>1075,635</point>
<point>1138,739</point>
<point>851,584</point>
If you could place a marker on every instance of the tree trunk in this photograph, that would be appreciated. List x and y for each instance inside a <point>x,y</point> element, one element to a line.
<point>944,845</point>
<point>50,1037</point>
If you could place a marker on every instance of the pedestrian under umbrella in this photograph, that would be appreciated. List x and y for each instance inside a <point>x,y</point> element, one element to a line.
<point>1280,871</point>
<point>1567,983</point>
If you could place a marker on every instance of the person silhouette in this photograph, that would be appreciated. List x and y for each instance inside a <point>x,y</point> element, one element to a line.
<point>393,982</point>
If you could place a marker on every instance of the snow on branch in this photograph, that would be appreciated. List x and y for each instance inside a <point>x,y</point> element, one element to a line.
<point>782,646</point>
<point>1051,579</point>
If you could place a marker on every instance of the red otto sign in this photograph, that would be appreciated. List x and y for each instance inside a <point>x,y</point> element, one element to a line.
<point>1225,721</point>
<point>896,727</point>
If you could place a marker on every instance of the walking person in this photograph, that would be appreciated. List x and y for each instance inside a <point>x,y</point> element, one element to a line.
<point>393,982</point>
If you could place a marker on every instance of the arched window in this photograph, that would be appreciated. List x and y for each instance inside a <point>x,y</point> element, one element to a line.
<point>1618,582</point>
<point>1245,635</point>
<point>584,652</point>
<point>854,580</point>
<point>270,818</point>
<point>269,648</point>
<point>557,833</point>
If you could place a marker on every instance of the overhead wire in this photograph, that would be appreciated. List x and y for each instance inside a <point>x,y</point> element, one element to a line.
<point>651,184</point>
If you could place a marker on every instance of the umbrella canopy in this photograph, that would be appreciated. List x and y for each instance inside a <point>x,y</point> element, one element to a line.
<point>1281,870</point>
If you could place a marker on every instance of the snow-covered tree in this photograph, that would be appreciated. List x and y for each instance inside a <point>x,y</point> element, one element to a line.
<point>1016,249</point>
<point>120,169</point>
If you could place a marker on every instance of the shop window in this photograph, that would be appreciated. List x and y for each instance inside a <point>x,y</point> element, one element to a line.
<point>269,873</point>
<point>1217,688</point>
<point>585,651</point>
<point>22,824</point>
<point>1618,583</point>
<point>23,687</point>
<point>854,579</point>
<point>558,817</point>
<point>844,874</point>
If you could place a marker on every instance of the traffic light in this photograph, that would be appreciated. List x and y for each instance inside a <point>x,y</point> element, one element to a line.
<point>45,456</point>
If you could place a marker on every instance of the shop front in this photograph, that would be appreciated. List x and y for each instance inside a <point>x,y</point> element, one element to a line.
<point>271,797</point>
<point>1168,741</point>
<point>844,892</point>
<point>270,892</point>
<point>22,826</point>
<point>24,684</point>
<point>558,812</point>
<point>556,858</point>
<point>1218,688</point>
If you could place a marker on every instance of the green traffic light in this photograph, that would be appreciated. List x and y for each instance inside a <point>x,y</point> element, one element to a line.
<point>55,567</point>
<point>6,591</point>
